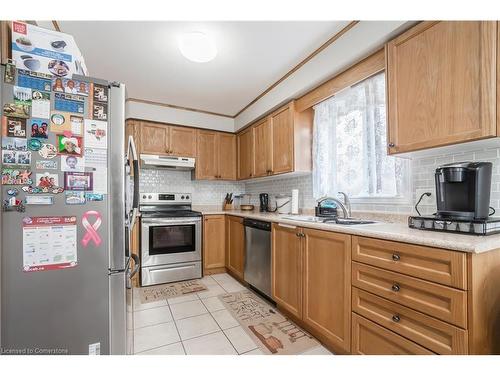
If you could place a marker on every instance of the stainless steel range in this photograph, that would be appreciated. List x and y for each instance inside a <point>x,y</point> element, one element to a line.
<point>170,238</point>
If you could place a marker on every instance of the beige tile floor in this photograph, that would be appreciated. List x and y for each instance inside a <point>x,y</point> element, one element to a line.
<point>194,324</point>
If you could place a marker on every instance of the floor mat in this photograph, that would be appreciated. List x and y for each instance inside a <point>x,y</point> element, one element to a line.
<point>274,333</point>
<point>164,291</point>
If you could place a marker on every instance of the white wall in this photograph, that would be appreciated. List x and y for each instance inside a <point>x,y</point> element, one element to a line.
<point>145,111</point>
<point>360,41</point>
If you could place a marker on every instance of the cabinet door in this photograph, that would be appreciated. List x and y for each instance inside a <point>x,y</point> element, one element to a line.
<point>235,245</point>
<point>287,269</point>
<point>327,286</point>
<point>182,141</point>
<point>207,155</point>
<point>154,139</point>
<point>227,156</point>
<point>441,84</point>
<point>282,130</point>
<point>263,148</point>
<point>214,240</point>
<point>245,154</point>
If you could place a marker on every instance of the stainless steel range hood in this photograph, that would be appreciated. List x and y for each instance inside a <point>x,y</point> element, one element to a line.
<point>167,162</point>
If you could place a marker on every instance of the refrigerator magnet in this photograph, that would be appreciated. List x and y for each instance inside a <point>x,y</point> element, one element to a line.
<point>42,190</point>
<point>94,197</point>
<point>11,176</point>
<point>34,144</point>
<point>46,164</point>
<point>39,200</point>
<point>14,127</point>
<point>10,72</point>
<point>47,151</point>
<point>79,181</point>
<point>13,204</point>
<point>69,145</point>
<point>75,197</point>
<point>91,229</point>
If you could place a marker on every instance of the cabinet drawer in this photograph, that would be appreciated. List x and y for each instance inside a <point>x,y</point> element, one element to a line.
<point>440,337</point>
<point>436,300</point>
<point>440,266</point>
<point>370,338</point>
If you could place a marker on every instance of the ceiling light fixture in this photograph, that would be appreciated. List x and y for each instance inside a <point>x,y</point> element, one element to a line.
<point>197,46</point>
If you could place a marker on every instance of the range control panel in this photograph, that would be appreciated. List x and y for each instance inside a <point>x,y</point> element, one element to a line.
<point>164,198</point>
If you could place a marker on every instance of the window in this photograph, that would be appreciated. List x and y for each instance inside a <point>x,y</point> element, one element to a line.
<point>349,146</point>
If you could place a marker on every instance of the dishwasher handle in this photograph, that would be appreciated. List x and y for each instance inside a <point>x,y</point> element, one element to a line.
<point>257,224</point>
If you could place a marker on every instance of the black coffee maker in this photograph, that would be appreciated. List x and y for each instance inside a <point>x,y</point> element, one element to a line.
<point>264,202</point>
<point>463,190</point>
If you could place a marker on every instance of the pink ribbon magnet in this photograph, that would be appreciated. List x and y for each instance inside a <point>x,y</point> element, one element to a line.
<point>91,234</point>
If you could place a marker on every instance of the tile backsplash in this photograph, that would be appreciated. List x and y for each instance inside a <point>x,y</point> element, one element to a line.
<point>203,192</point>
<point>422,176</point>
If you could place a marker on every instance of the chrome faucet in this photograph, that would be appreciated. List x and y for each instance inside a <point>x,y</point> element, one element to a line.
<point>338,202</point>
<point>347,202</point>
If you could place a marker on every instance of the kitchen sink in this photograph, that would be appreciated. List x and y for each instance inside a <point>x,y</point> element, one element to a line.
<point>326,220</point>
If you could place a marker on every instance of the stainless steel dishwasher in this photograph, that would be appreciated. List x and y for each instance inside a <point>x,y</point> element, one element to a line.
<point>258,255</point>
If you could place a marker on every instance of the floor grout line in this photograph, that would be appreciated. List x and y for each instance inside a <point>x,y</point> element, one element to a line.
<point>224,333</point>
<point>178,333</point>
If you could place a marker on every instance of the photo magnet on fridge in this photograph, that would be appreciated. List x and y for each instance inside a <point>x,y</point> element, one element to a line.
<point>13,127</point>
<point>70,86</point>
<point>14,144</point>
<point>69,145</point>
<point>16,110</point>
<point>79,181</point>
<point>48,151</point>
<point>22,95</point>
<point>39,128</point>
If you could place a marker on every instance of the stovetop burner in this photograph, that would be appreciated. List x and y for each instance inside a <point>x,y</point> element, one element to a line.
<point>166,205</point>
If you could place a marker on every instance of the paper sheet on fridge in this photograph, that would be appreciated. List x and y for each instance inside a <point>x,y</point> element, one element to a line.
<point>100,181</point>
<point>49,243</point>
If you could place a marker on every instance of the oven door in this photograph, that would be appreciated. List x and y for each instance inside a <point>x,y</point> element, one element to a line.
<point>169,241</point>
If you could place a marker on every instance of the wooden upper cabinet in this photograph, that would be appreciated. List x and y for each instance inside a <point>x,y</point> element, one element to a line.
<point>182,141</point>
<point>207,155</point>
<point>227,156</point>
<point>441,84</point>
<point>246,154</point>
<point>282,140</point>
<point>279,143</point>
<point>263,148</point>
<point>235,246</point>
<point>154,138</point>
<point>327,286</point>
<point>286,272</point>
<point>214,241</point>
<point>216,156</point>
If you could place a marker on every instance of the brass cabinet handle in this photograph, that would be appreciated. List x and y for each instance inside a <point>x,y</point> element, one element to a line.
<point>396,257</point>
<point>396,288</point>
<point>396,318</point>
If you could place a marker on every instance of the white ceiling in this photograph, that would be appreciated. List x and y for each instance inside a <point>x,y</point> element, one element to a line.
<point>144,55</point>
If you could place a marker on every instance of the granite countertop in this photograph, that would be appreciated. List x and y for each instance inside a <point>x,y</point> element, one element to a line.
<point>395,231</point>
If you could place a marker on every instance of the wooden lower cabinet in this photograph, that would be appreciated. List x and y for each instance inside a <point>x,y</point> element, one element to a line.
<point>135,248</point>
<point>287,268</point>
<point>327,287</point>
<point>235,246</point>
<point>431,333</point>
<point>370,338</point>
<point>214,229</point>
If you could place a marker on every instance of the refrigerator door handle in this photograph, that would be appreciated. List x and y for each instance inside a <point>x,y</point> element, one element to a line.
<point>132,155</point>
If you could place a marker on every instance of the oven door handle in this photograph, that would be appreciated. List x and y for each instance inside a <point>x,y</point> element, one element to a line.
<point>169,222</point>
<point>152,270</point>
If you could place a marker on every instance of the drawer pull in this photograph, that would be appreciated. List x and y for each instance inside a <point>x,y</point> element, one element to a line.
<point>396,288</point>
<point>395,257</point>
<point>396,318</point>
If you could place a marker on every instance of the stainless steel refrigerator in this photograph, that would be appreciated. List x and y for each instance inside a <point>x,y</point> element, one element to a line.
<point>85,308</point>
